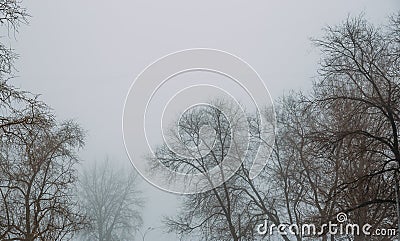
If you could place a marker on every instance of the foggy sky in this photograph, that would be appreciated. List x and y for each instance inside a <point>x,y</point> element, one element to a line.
<point>82,56</point>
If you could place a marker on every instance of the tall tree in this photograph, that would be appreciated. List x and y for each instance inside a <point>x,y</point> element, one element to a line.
<point>37,176</point>
<point>231,210</point>
<point>336,149</point>
<point>112,203</point>
<point>338,145</point>
<point>38,155</point>
<point>360,74</point>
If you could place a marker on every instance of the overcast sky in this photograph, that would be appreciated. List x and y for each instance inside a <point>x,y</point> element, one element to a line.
<point>82,56</point>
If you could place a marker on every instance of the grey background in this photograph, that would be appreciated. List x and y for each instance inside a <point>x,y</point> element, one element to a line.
<point>82,56</point>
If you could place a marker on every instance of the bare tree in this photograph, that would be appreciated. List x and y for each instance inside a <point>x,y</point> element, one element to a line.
<point>336,150</point>
<point>37,176</point>
<point>337,147</point>
<point>16,106</point>
<point>360,74</point>
<point>111,202</point>
<point>360,70</point>
<point>309,174</point>
<point>37,156</point>
<point>232,210</point>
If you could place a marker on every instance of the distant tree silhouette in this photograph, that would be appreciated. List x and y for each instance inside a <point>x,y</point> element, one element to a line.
<point>111,202</point>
